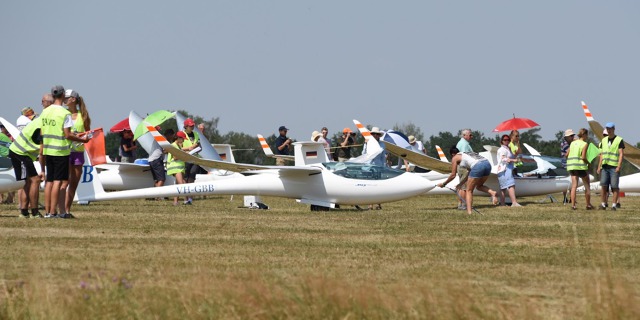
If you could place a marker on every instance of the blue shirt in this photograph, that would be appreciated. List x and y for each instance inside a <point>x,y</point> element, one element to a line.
<point>464,146</point>
<point>279,141</point>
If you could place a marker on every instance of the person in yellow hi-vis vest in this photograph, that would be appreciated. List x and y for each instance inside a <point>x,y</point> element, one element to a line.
<point>23,152</point>
<point>612,147</point>
<point>191,142</point>
<point>175,167</point>
<point>578,166</point>
<point>56,141</point>
<point>514,146</point>
<point>81,123</point>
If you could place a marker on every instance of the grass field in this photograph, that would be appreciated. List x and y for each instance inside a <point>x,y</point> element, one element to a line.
<point>416,259</point>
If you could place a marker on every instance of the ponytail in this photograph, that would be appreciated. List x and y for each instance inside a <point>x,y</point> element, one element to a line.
<point>84,113</point>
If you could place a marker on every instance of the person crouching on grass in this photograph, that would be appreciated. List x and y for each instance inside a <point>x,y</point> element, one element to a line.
<point>577,165</point>
<point>479,171</point>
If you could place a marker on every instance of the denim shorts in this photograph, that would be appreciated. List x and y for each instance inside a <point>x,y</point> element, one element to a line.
<point>481,169</point>
<point>609,177</point>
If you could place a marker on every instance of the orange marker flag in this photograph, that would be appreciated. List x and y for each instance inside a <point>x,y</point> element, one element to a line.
<point>95,147</point>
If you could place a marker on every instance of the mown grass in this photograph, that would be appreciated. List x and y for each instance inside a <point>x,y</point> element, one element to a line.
<point>416,259</point>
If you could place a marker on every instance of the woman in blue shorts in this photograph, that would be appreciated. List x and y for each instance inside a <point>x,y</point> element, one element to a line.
<point>479,171</point>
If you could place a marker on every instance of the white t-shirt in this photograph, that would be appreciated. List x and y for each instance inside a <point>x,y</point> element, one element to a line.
<point>470,159</point>
<point>22,122</point>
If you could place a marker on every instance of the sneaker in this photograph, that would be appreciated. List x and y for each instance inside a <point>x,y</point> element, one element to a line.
<point>51,216</point>
<point>23,215</point>
<point>602,207</point>
<point>613,207</point>
<point>618,205</point>
<point>516,205</point>
<point>188,202</point>
<point>67,215</point>
<point>462,207</point>
<point>36,216</point>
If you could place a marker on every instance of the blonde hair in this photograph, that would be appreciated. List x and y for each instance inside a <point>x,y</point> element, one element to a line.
<point>583,133</point>
<point>84,113</point>
<point>513,133</point>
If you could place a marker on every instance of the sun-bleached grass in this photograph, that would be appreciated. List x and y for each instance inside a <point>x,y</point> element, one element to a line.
<point>417,259</point>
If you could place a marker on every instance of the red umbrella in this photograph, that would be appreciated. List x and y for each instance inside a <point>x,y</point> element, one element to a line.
<point>515,124</point>
<point>121,126</point>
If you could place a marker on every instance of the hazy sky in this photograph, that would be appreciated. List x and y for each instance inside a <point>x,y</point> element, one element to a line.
<point>441,65</point>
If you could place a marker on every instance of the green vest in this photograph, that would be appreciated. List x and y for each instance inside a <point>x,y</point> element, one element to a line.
<point>610,155</point>
<point>78,127</point>
<point>514,148</point>
<point>23,145</point>
<point>574,158</point>
<point>173,165</point>
<point>53,139</point>
<point>188,142</point>
<point>4,147</point>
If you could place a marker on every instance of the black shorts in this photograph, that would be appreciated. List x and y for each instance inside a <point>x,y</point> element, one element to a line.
<point>190,171</point>
<point>157,170</point>
<point>22,166</point>
<point>57,168</point>
<point>578,173</point>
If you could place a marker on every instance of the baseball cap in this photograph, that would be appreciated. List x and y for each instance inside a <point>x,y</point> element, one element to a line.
<point>569,133</point>
<point>70,93</point>
<point>283,128</point>
<point>57,91</point>
<point>189,122</point>
<point>346,130</point>
<point>610,125</point>
<point>181,134</point>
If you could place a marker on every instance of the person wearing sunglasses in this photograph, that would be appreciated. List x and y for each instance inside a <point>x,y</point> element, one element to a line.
<point>506,159</point>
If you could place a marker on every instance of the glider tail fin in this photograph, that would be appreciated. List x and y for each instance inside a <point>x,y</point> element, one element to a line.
<point>265,146</point>
<point>158,137</point>
<point>441,154</point>
<point>363,130</point>
<point>90,184</point>
<point>587,113</point>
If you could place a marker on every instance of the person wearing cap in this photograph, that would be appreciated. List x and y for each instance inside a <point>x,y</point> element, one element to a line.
<point>564,150</point>
<point>612,147</point>
<point>26,115</point>
<point>282,145</point>
<point>81,124</point>
<point>463,145</point>
<point>23,153</point>
<point>344,149</point>
<point>56,146</point>
<point>176,167</point>
<point>191,142</point>
<point>380,159</point>
<point>578,166</point>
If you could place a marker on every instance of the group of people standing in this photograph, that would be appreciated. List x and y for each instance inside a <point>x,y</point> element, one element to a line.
<point>56,139</point>
<point>577,155</point>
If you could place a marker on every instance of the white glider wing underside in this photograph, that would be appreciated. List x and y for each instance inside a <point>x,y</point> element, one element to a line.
<point>238,167</point>
<point>419,159</point>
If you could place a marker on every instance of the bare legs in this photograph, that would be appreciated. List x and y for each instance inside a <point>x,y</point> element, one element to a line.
<point>478,183</point>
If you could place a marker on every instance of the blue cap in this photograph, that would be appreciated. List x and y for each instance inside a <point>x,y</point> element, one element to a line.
<point>610,125</point>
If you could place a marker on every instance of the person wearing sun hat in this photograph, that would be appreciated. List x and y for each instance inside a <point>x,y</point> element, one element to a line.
<point>612,147</point>
<point>26,115</point>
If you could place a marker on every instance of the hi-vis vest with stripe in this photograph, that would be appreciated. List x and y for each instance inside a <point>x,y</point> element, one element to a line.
<point>23,145</point>
<point>78,127</point>
<point>188,142</point>
<point>53,140</point>
<point>574,158</point>
<point>173,165</point>
<point>610,155</point>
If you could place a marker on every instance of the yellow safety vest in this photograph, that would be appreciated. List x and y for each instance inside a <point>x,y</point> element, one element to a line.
<point>173,165</point>
<point>53,139</point>
<point>610,155</point>
<point>514,148</point>
<point>78,127</point>
<point>574,159</point>
<point>24,145</point>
